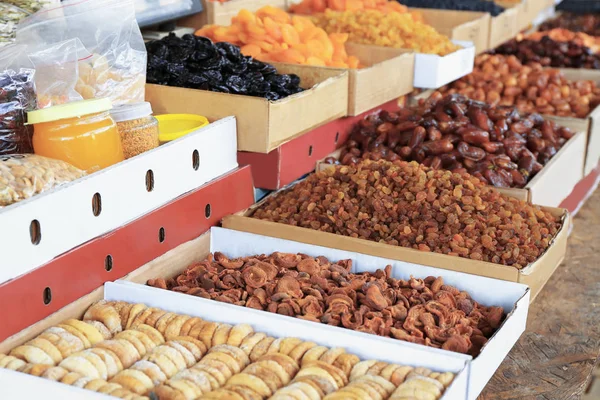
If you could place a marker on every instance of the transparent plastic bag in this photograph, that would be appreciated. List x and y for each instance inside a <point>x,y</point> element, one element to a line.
<point>24,175</point>
<point>17,97</point>
<point>98,39</point>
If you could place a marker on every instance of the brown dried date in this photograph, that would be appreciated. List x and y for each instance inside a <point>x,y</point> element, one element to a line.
<point>467,136</point>
<point>410,205</point>
<point>424,311</point>
<point>503,80</point>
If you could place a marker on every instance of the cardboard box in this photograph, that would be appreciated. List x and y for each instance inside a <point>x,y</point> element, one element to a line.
<point>364,345</point>
<point>590,124</point>
<point>504,26</point>
<point>531,9</point>
<point>263,125</point>
<point>218,13</point>
<point>41,228</point>
<point>467,26</point>
<point>433,71</point>
<point>387,74</point>
<point>514,298</point>
<point>535,275</point>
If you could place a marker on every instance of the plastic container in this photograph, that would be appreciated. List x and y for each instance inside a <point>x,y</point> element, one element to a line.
<point>174,126</point>
<point>137,127</point>
<point>81,133</point>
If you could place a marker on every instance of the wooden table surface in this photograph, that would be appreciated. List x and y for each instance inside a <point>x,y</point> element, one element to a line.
<point>555,357</point>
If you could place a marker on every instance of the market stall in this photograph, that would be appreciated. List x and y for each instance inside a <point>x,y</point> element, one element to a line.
<point>316,199</point>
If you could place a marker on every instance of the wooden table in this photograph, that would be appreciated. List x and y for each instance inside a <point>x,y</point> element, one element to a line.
<point>555,357</point>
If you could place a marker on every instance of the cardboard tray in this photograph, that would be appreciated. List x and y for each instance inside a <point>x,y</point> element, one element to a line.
<point>366,346</point>
<point>590,124</point>
<point>218,13</point>
<point>535,275</point>
<point>513,297</point>
<point>39,229</point>
<point>504,26</point>
<point>468,26</point>
<point>387,75</point>
<point>433,71</point>
<point>263,125</point>
<point>566,167</point>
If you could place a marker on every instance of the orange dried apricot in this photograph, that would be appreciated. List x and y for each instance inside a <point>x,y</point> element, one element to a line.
<point>271,34</point>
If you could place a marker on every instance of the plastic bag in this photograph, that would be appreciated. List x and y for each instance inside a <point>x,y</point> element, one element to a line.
<point>25,175</point>
<point>99,40</point>
<point>17,97</point>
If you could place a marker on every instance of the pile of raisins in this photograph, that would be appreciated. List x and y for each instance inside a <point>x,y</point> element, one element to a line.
<point>460,5</point>
<point>196,62</point>
<point>410,205</point>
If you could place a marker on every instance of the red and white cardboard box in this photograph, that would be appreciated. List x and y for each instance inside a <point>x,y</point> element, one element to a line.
<point>35,231</point>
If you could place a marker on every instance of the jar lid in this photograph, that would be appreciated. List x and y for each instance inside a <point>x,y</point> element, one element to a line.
<point>174,126</point>
<point>127,112</point>
<point>68,110</point>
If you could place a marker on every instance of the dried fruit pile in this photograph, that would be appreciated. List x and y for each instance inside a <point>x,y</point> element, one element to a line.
<point>588,23</point>
<point>504,80</point>
<point>17,97</point>
<point>309,7</point>
<point>131,351</point>
<point>410,205</point>
<point>273,35</point>
<point>550,52</point>
<point>386,29</point>
<point>461,5</point>
<point>424,311</point>
<point>195,62</point>
<point>496,145</point>
<point>565,35</point>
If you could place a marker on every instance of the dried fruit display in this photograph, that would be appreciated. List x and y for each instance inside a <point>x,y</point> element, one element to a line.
<point>504,80</point>
<point>550,53</point>
<point>195,62</point>
<point>588,23</point>
<point>460,5</point>
<point>496,145</point>
<point>131,351</point>
<point>309,7</point>
<point>386,29</point>
<point>565,35</point>
<point>17,97</point>
<point>273,35</point>
<point>423,311</point>
<point>410,205</point>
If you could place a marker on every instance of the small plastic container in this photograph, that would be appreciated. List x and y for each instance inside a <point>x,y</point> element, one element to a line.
<point>174,126</point>
<point>137,127</point>
<point>81,133</point>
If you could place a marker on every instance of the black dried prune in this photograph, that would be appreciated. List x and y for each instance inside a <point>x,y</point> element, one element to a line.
<point>196,62</point>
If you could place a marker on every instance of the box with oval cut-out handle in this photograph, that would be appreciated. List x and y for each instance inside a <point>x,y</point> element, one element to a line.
<point>38,229</point>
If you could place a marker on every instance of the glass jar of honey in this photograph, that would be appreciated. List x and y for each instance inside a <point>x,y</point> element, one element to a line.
<point>81,133</point>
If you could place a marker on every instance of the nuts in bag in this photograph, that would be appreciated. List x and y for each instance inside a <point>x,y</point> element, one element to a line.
<point>25,175</point>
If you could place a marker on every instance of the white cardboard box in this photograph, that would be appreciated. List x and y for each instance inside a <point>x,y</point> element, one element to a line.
<point>433,71</point>
<point>65,214</point>
<point>513,297</point>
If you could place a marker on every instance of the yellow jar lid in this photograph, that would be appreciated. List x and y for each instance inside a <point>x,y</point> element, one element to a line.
<point>174,126</point>
<point>68,110</point>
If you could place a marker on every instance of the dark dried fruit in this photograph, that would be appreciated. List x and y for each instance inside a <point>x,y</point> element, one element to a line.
<point>195,62</point>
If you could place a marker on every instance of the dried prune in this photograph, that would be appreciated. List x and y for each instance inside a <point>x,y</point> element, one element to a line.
<point>196,62</point>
